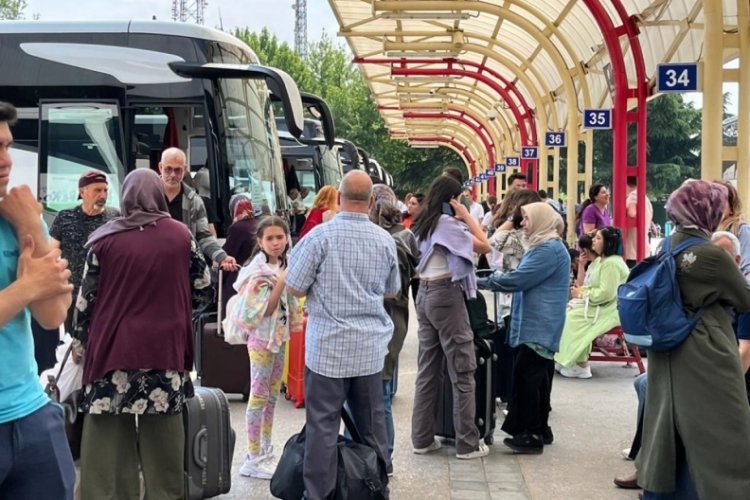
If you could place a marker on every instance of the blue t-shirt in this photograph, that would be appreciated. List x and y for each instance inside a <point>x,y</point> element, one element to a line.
<point>20,391</point>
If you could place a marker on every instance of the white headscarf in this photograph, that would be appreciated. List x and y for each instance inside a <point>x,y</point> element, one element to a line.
<point>543,224</point>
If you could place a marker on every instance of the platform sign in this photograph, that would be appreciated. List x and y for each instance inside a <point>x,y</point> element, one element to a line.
<point>490,172</point>
<point>500,167</point>
<point>677,77</point>
<point>554,139</point>
<point>467,184</point>
<point>529,153</point>
<point>477,180</point>
<point>483,177</point>
<point>513,162</point>
<point>597,119</point>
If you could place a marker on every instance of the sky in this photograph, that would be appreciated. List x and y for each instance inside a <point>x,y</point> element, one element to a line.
<point>277,15</point>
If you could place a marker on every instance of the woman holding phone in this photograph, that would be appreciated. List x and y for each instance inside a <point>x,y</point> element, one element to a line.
<point>448,237</point>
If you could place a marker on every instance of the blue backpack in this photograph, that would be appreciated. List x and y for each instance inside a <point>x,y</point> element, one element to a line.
<point>650,304</point>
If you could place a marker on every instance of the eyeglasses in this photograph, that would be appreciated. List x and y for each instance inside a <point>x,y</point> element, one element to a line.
<point>173,170</point>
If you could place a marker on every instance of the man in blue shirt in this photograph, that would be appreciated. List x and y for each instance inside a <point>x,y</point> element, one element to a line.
<point>345,267</point>
<point>35,460</point>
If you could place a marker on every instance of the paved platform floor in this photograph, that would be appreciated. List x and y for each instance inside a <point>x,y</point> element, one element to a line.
<point>593,420</point>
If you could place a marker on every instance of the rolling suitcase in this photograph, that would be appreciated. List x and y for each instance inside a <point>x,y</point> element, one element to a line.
<point>218,363</point>
<point>485,415</point>
<point>209,444</point>
<point>295,380</point>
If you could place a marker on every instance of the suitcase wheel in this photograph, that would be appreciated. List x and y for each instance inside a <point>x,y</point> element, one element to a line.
<point>489,440</point>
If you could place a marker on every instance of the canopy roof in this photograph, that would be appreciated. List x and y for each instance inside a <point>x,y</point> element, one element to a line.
<point>545,53</point>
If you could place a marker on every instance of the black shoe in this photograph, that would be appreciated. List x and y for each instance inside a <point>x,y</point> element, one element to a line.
<point>525,443</point>
<point>547,436</point>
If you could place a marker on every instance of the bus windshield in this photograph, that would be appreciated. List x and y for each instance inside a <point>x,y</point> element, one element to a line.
<point>249,135</point>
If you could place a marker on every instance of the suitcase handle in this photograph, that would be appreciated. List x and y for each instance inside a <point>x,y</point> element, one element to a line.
<point>200,448</point>
<point>220,303</point>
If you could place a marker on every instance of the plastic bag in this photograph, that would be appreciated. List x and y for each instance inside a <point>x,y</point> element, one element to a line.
<point>71,376</point>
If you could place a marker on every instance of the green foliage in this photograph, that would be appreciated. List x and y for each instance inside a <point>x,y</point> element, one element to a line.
<point>329,73</point>
<point>673,146</point>
<point>12,9</point>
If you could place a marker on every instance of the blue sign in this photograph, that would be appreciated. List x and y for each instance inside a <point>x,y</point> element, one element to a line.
<point>490,173</point>
<point>477,180</point>
<point>677,77</point>
<point>482,176</point>
<point>513,161</point>
<point>597,119</point>
<point>499,167</point>
<point>554,139</point>
<point>529,153</point>
<point>467,184</point>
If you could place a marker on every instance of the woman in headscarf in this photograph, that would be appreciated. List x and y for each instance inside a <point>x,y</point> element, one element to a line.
<point>133,320</point>
<point>241,240</point>
<point>696,416</point>
<point>540,293</point>
<point>385,213</point>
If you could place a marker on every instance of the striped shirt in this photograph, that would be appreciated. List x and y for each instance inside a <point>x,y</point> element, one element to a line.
<point>345,267</point>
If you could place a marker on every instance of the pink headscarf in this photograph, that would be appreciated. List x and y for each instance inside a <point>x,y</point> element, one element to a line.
<point>698,204</point>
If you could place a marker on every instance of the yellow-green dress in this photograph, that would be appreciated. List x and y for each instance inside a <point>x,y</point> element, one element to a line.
<point>595,312</point>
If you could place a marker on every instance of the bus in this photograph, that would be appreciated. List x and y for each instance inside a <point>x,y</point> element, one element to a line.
<point>314,157</point>
<point>112,96</point>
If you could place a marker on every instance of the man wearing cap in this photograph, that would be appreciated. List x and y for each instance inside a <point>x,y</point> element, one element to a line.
<point>71,228</point>
<point>187,207</point>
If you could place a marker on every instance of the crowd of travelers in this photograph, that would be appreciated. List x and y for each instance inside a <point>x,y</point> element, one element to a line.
<point>125,284</point>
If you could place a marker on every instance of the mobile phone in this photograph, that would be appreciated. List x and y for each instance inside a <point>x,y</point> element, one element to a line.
<point>448,209</point>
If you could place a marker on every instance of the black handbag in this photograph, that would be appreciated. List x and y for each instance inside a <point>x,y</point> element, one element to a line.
<point>73,420</point>
<point>361,473</point>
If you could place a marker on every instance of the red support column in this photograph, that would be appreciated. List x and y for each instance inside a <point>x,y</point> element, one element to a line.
<point>621,118</point>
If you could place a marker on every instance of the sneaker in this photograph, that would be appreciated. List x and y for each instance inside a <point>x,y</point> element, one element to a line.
<point>558,366</point>
<point>267,453</point>
<point>436,445</point>
<point>626,454</point>
<point>258,468</point>
<point>525,443</point>
<point>576,371</point>
<point>482,451</point>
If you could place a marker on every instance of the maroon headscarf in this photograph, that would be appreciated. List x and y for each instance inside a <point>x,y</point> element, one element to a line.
<point>142,203</point>
<point>698,204</point>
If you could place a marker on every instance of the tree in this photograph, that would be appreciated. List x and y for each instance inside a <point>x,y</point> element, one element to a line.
<point>12,9</point>
<point>673,146</point>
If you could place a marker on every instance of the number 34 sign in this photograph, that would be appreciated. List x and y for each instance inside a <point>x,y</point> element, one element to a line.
<point>674,77</point>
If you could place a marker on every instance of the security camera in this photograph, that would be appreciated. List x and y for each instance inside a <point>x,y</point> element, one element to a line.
<point>492,115</point>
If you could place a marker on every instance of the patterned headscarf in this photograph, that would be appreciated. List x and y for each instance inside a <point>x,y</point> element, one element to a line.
<point>698,204</point>
<point>383,211</point>
<point>543,223</point>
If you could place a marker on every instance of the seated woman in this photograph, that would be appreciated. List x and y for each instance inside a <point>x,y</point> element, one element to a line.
<point>323,209</point>
<point>592,310</point>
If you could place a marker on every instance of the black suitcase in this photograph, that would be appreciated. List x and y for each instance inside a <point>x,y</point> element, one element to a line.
<point>485,395</point>
<point>209,444</point>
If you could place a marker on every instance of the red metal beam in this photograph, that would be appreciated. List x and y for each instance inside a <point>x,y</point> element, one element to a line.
<point>399,68</point>
<point>621,117</point>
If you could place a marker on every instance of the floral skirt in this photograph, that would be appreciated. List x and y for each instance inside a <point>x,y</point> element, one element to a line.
<point>137,392</point>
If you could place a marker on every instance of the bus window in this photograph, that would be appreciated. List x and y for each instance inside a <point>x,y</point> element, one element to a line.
<point>76,138</point>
